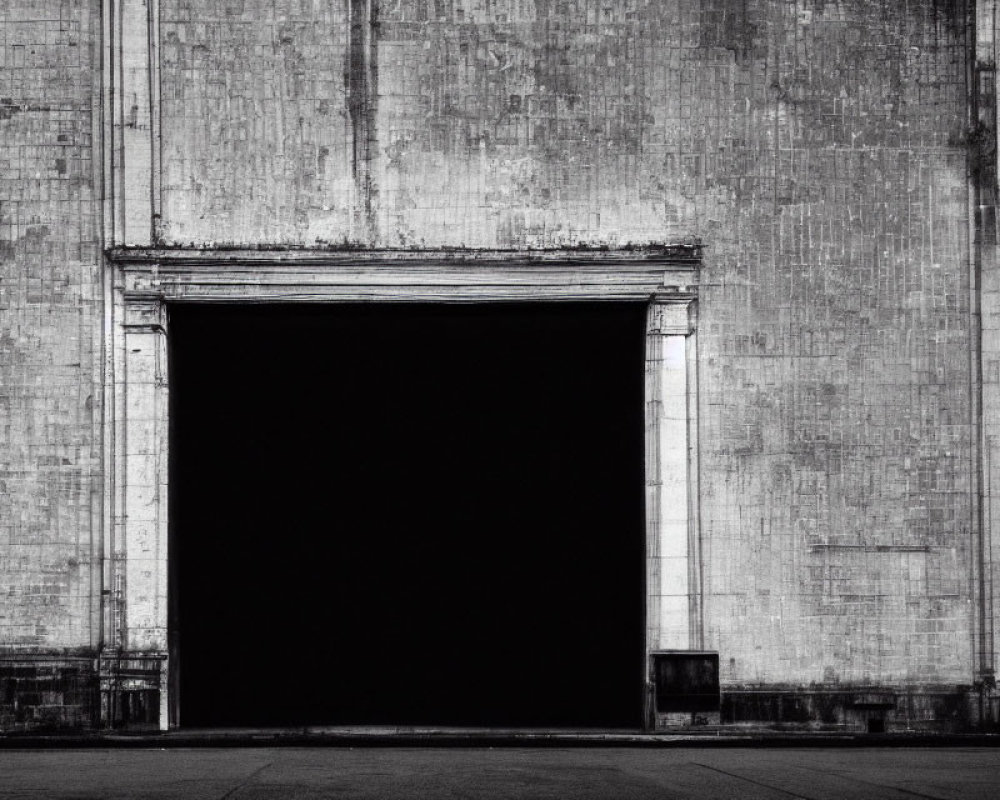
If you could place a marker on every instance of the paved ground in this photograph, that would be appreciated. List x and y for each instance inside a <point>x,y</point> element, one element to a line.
<point>312,773</point>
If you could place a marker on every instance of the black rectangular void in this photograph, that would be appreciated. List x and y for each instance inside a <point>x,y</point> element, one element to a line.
<point>686,680</point>
<point>408,514</point>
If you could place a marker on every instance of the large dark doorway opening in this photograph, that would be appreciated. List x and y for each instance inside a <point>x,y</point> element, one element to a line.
<point>408,514</point>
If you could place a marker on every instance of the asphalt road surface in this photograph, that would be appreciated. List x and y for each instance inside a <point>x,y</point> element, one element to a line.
<point>312,773</point>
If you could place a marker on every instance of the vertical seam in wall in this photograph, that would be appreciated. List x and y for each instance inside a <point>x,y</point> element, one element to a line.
<point>975,371</point>
<point>106,94</point>
<point>371,130</point>
<point>986,126</point>
<point>96,332</point>
<point>119,555</point>
<point>698,554</point>
<point>989,586</point>
<point>695,595</point>
<point>361,84</point>
<point>651,516</point>
<point>155,142</point>
<point>969,13</point>
<point>108,213</point>
<point>980,97</point>
<point>118,119</point>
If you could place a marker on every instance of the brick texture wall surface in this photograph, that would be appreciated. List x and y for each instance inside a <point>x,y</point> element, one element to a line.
<point>50,324</point>
<point>816,148</point>
<point>258,145</point>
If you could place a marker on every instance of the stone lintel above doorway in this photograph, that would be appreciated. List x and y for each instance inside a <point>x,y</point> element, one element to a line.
<point>199,275</point>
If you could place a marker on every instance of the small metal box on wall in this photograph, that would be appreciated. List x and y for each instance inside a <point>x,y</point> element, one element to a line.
<point>685,687</point>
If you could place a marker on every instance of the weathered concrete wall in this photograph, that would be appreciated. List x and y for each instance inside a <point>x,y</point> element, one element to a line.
<point>984,199</point>
<point>258,143</point>
<point>818,151</point>
<point>50,326</point>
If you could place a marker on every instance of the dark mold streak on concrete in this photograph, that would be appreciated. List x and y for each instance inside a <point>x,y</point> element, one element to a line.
<point>361,81</point>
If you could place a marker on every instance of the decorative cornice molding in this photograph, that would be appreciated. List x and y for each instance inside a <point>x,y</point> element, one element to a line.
<point>681,256</point>
<point>235,276</point>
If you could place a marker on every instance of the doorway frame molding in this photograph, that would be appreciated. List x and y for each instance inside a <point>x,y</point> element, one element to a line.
<point>145,282</point>
<point>142,279</point>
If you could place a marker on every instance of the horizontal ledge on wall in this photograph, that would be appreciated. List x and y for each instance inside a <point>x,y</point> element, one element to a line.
<point>679,256</point>
<point>250,276</point>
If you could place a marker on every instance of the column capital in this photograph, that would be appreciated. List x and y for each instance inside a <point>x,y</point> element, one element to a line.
<point>673,316</point>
